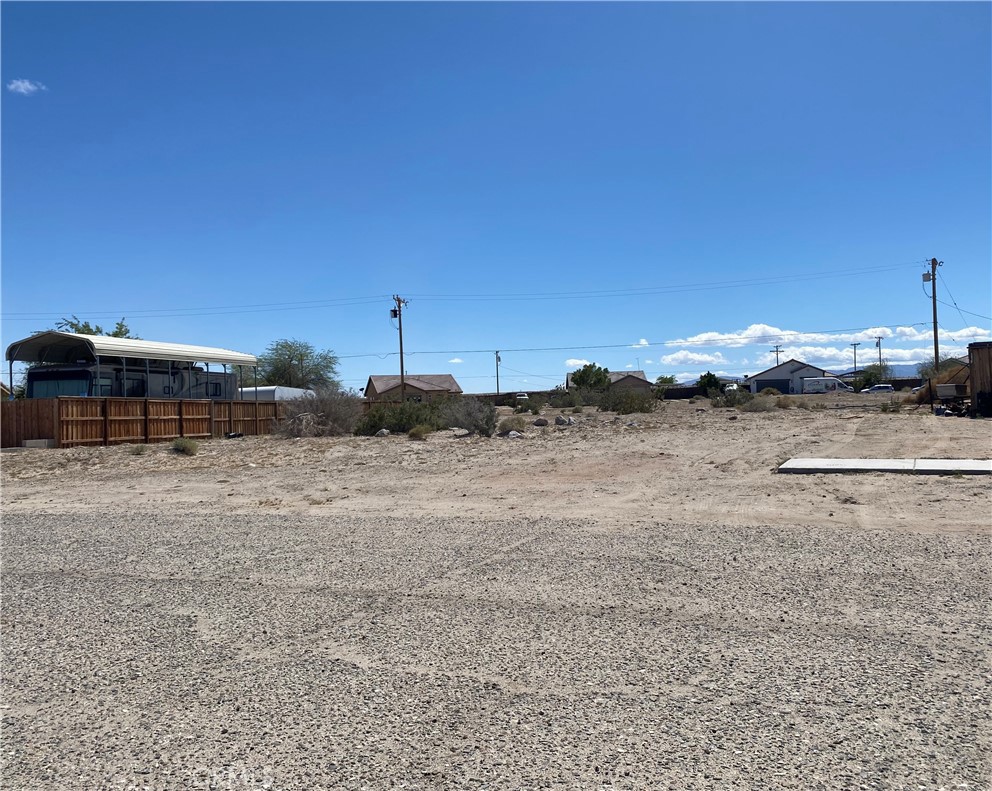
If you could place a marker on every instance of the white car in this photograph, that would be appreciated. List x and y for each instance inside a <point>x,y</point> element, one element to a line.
<point>880,389</point>
<point>522,397</point>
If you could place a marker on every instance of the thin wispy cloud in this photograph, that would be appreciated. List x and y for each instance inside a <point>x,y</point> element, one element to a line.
<point>456,360</point>
<point>25,87</point>
<point>642,343</point>
<point>572,362</point>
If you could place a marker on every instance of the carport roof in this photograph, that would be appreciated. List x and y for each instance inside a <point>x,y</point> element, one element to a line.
<point>68,347</point>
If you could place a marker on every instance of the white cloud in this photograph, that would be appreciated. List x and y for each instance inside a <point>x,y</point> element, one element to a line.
<point>685,357</point>
<point>649,362</point>
<point>640,344</point>
<point>25,87</point>
<point>766,334</point>
<point>572,362</point>
<point>456,360</point>
<point>843,357</point>
<point>628,366</point>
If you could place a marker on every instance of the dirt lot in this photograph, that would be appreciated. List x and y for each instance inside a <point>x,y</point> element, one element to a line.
<point>688,463</point>
<point>633,602</point>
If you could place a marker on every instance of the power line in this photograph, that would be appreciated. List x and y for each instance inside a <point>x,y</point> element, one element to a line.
<point>954,301</point>
<point>667,289</point>
<point>748,340</point>
<point>265,307</point>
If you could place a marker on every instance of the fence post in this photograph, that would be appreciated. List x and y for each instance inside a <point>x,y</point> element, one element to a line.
<point>257,427</point>
<point>57,423</point>
<point>147,438</point>
<point>106,421</point>
<point>182,427</point>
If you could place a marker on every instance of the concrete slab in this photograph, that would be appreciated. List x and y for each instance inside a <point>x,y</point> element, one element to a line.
<point>38,443</point>
<point>919,466</point>
<point>953,467</point>
<point>847,465</point>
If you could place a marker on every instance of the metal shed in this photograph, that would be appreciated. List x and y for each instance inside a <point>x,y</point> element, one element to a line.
<point>96,354</point>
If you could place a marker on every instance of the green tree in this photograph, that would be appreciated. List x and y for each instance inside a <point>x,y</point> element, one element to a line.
<point>873,375</point>
<point>665,380</point>
<point>709,381</point>
<point>293,363</point>
<point>73,324</point>
<point>591,376</point>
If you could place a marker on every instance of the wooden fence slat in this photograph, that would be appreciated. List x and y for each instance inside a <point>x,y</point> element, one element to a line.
<point>72,421</point>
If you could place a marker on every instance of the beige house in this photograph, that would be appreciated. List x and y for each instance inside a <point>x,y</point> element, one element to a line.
<point>624,380</point>
<point>419,387</point>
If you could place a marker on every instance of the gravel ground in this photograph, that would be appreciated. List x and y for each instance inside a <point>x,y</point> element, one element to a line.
<point>229,650</point>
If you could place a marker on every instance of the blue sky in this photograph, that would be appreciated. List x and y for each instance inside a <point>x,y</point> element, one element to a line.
<point>674,187</point>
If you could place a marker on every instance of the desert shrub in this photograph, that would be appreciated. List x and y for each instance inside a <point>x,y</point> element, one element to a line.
<point>770,391</point>
<point>514,423</point>
<point>784,402</point>
<point>185,446</point>
<point>471,414</point>
<point>137,450</point>
<point>326,413</point>
<point>398,418</point>
<point>729,399</point>
<point>891,406</point>
<point>561,399</point>
<point>760,404</point>
<point>522,408</point>
<point>626,402</point>
<point>420,431</point>
<point>577,409</point>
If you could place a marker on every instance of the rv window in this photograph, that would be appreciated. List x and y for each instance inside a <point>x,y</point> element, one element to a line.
<point>102,387</point>
<point>53,388</point>
<point>213,390</point>
<point>134,387</point>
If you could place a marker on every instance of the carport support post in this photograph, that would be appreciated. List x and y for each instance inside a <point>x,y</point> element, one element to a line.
<point>99,390</point>
<point>10,366</point>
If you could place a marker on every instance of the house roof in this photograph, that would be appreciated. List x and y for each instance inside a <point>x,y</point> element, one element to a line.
<point>615,376</point>
<point>789,366</point>
<point>69,347</point>
<point>444,383</point>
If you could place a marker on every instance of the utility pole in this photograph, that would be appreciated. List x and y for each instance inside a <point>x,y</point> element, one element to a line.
<point>878,343</point>
<point>397,313</point>
<point>931,276</point>
<point>855,345</point>
<point>777,349</point>
<point>497,373</point>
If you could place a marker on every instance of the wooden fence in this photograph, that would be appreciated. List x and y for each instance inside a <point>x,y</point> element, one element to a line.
<point>111,421</point>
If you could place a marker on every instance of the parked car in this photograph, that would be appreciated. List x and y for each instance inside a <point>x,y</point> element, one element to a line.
<point>522,397</point>
<point>731,387</point>
<point>880,389</point>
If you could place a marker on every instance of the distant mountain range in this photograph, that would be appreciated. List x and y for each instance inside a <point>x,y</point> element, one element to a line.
<point>902,371</point>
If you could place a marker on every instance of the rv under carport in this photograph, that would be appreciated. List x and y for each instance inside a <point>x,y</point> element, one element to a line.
<point>98,354</point>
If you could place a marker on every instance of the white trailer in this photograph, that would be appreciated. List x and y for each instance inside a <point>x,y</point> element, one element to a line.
<point>825,384</point>
<point>273,393</point>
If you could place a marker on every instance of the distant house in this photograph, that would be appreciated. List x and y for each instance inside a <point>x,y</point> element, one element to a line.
<point>627,380</point>
<point>786,377</point>
<point>419,387</point>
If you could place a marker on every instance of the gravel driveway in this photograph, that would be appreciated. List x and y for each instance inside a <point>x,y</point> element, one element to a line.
<point>214,650</point>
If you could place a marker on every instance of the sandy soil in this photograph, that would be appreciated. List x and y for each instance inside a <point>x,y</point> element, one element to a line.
<point>687,462</point>
<point>636,602</point>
